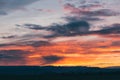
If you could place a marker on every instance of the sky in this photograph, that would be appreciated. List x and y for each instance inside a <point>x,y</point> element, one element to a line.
<point>60,33</point>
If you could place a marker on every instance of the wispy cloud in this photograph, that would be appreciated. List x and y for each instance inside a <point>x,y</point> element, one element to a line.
<point>9,37</point>
<point>7,6</point>
<point>8,57</point>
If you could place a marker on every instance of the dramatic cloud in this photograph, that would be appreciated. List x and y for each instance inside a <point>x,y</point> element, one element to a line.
<point>74,27</point>
<point>68,29</point>
<point>81,33</point>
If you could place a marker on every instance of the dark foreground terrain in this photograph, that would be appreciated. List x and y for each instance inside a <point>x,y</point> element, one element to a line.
<point>58,73</point>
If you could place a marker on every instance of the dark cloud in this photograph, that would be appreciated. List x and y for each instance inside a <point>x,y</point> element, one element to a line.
<point>74,27</point>
<point>13,56</point>
<point>28,43</point>
<point>9,37</point>
<point>78,26</point>
<point>68,29</point>
<point>92,5</point>
<point>51,59</point>
<point>85,18</point>
<point>2,45</point>
<point>101,12</point>
<point>114,29</point>
<point>88,18</point>
<point>38,43</point>
<point>10,5</point>
<point>32,26</point>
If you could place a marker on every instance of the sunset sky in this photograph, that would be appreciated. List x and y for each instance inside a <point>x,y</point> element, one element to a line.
<point>60,33</point>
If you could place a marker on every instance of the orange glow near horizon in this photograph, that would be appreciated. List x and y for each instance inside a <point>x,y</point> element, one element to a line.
<point>72,53</point>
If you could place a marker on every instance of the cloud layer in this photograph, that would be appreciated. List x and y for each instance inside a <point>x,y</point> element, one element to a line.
<point>75,41</point>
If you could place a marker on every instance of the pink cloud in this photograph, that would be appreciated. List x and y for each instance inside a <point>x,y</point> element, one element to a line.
<point>70,8</point>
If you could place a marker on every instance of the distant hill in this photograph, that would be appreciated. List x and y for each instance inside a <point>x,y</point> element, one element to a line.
<point>114,67</point>
<point>37,70</point>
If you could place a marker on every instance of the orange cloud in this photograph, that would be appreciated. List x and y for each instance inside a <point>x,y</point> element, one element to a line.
<point>69,53</point>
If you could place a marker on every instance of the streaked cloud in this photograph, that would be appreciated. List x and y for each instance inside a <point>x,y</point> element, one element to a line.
<point>8,57</point>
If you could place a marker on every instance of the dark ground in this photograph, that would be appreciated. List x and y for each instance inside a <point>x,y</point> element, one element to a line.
<point>58,73</point>
<point>62,77</point>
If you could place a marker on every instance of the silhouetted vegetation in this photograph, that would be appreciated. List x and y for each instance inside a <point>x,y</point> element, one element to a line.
<point>58,73</point>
